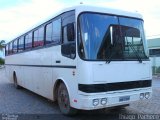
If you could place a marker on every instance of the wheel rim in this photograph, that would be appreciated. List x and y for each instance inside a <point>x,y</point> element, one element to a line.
<point>63,100</point>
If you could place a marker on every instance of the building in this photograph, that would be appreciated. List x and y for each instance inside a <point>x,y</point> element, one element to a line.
<point>2,54</point>
<point>154,52</point>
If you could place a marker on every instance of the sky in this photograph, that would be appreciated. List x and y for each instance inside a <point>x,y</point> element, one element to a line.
<point>17,16</point>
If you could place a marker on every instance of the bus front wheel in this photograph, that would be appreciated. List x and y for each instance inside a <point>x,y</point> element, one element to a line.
<point>63,101</point>
<point>15,81</point>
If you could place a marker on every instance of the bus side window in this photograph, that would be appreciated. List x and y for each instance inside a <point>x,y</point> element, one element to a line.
<point>6,50</point>
<point>28,41</point>
<point>56,31</point>
<point>68,48</point>
<point>39,37</point>
<point>15,46</point>
<point>21,44</point>
<point>53,32</point>
<point>10,48</point>
<point>48,33</point>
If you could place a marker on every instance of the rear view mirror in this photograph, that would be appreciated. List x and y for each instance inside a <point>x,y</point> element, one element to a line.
<point>132,32</point>
<point>70,32</point>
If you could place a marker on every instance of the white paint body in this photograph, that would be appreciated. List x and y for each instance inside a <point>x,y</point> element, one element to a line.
<point>41,80</point>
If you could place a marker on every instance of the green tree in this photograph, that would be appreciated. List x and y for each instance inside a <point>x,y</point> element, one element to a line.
<point>1,61</point>
<point>2,44</point>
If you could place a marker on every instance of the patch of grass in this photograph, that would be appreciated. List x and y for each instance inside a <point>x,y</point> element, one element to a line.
<point>1,61</point>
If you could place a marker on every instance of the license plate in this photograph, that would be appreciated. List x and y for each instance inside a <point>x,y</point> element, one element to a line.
<point>124,98</point>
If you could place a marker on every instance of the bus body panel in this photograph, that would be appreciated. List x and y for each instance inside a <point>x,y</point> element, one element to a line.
<point>121,72</point>
<point>37,70</point>
<point>102,72</point>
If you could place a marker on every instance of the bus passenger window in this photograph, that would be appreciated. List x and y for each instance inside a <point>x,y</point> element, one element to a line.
<point>15,46</point>
<point>6,50</point>
<point>53,32</point>
<point>28,41</point>
<point>48,33</point>
<point>56,31</point>
<point>10,48</point>
<point>21,44</point>
<point>39,37</point>
<point>68,48</point>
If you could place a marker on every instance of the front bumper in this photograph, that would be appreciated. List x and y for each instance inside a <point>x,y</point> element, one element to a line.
<point>85,101</point>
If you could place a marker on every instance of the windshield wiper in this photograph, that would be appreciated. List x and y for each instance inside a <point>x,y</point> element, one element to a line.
<point>114,51</point>
<point>135,52</point>
<point>108,60</point>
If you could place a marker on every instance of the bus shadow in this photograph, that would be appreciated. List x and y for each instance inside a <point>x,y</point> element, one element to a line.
<point>54,112</point>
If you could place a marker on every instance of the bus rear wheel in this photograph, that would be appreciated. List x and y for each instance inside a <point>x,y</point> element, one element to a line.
<point>63,101</point>
<point>15,81</point>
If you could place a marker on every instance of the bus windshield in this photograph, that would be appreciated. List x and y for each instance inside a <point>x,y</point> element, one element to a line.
<point>106,37</point>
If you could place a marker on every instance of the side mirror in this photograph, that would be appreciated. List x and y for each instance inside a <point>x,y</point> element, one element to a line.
<point>70,32</point>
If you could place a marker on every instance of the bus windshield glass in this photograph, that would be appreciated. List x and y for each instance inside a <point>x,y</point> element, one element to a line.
<point>106,37</point>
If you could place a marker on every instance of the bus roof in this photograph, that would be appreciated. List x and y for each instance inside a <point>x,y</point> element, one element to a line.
<point>87,8</point>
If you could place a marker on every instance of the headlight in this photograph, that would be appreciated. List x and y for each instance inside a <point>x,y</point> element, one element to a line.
<point>104,101</point>
<point>95,102</point>
<point>147,95</point>
<point>141,96</point>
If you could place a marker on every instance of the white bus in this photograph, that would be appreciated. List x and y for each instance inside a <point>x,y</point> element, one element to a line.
<point>85,57</point>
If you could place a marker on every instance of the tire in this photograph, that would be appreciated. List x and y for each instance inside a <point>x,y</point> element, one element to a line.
<point>64,102</point>
<point>15,81</point>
